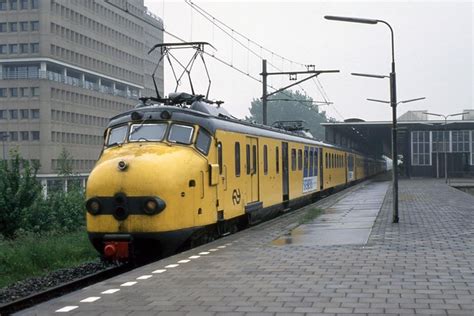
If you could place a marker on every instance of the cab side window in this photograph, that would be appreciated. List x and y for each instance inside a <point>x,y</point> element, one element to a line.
<point>203,141</point>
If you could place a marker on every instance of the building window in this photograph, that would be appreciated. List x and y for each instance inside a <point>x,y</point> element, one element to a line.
<point>24,114</point>
<point>35,114</point>
<point>34,4</point>
<point>35,92</point>
<point>24,136</point>
<point>35,135</point>
<point>13,92</point>
<point>34,47</point>
<point>3,5</point>
<point>13,48</point>
<point>3,92</point>
<point>23,26</point>
<point>440,141</point>
<point>13,4</point>
<point>35,25</point>
<point>14,136</point>
<point>23,4</point>
<point>472,147</point>
<point>13,114</point>
<point>3,49</point>
<point>23,48</point>
<point>24,92</point>
<point>460,141</point>
<point>420,145</point>
<point>13,26</point>
<point>3,114</point>
<point>3,27</point>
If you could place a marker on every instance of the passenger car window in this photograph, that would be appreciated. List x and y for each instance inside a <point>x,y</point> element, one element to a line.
<point>181,134</point>
<point>237,159</point>
<point>117,135</point>
<point>203,141</point>
<point>147,132</point>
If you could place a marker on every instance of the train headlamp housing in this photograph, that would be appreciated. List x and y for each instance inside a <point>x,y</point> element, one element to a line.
<point>165,115</point>
<point>93,206</point>
<point>153,206</point>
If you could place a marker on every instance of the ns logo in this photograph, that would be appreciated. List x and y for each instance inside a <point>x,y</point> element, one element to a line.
<point>236,196</point>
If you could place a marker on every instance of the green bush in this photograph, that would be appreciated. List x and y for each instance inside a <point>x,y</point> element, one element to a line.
<point>59,211</point>
<point>18,191</point>
<point>37,254</point>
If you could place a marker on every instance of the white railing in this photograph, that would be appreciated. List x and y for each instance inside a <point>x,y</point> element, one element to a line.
<point>72,81</point>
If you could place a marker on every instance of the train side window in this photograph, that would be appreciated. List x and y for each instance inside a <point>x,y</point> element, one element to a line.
<point>326,161</point>
<point>219,156</point>
<point>300,159</point>
<point>203,141</point>
<point>293,159</point>
<point>315,162</point>
<point>333,161</point>
<point>305,162</point>
<point>265,159</point>
<point>311,161</point>
<point>277,160</point>
<point>237,159</point>
<point>247,155</point>
<point>254,159</point>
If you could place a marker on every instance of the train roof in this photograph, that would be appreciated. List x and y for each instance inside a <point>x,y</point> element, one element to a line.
<point>212,120</point>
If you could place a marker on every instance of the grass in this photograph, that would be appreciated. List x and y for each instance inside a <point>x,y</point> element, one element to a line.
<point>33,255</point>
<point>310,215</point>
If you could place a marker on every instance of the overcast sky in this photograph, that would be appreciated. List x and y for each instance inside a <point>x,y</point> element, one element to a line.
<point>433,51</point>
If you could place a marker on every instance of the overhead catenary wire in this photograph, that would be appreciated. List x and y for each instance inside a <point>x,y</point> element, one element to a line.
<point>247,74</point>
<point>226,29</point>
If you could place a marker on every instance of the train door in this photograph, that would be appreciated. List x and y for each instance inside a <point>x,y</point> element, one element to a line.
<point>350,168</point>
<point>286,189</point>
<point>251,153</point>
<point>222,182</point>
<point>321,170</point>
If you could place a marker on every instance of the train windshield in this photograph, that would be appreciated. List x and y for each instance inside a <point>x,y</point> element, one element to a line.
<point>117,135</point>
<point>147,132</point>
<point>181,134</point>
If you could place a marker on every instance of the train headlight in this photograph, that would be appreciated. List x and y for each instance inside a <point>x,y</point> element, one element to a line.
<point>93,206</point>
<point>153,206</point>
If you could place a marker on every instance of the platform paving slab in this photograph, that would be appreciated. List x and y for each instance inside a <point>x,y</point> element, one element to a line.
<point>421,266</point>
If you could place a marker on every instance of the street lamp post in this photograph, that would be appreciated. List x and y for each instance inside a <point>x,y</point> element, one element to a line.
<point>444,143</point>
<point>393,103</point>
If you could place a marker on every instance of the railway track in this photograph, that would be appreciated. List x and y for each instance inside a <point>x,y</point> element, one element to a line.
<point>63,289</point>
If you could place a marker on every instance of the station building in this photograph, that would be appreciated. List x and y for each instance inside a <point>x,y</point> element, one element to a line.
<point>66,67</point>
<point>425,146</point>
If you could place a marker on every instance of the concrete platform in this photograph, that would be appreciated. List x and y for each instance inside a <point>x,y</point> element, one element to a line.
<point>348,222</point>
<point>423,265</point>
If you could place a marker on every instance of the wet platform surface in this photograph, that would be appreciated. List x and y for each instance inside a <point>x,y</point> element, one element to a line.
<point>347,222</point>
<point>423,265</point>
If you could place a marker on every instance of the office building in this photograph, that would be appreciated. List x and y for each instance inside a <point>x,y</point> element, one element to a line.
<point>66,67</point>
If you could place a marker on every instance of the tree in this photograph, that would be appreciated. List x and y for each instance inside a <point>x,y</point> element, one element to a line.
<point>18,190</point>
<point>299,107</point>
<point>65,166</point>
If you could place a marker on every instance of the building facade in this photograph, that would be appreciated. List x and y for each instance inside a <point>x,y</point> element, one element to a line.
<point>67,67</point>
<point>426,147</point>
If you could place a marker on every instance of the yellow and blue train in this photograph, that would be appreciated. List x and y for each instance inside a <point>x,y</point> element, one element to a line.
<point>176,175</point>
